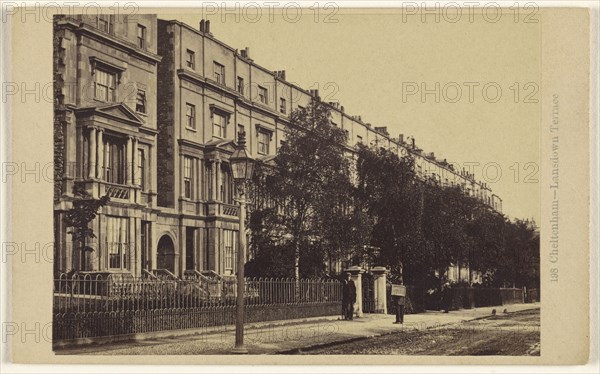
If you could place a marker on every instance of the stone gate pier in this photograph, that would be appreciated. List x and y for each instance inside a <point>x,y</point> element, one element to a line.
<point>356,275</point>
<point>380,288</point>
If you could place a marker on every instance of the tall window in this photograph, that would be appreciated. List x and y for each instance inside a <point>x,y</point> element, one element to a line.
<point>359,139</point>
<point>219,71</point>
<point>229,243</point>
<point>114,160</point>
<point>117,242</point>
<point>263,95</point>
<point>141,36</point>
<point>240,85</point>
<point>105,23</point>
<point>190,113</point>
<point>226,185</point>
<point>141,166</point>
<point>218,126</point>
<point>282,105</point>
<point>190,59</point>
<point>264,138</point>
<point>140,104</point>
<point>188,176</point>
<point>104,85</point>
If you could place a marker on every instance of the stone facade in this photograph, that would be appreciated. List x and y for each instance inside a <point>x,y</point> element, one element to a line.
<point>105,136</point>
<point>198,94</point>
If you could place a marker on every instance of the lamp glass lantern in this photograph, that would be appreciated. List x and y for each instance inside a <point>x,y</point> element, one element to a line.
<point>242,164</point>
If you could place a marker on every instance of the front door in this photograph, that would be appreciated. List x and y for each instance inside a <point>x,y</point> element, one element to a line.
<point>190,234</point>
<point>166,254</point>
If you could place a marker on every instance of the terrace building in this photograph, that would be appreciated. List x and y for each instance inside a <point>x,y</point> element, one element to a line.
<point>105,136</point>
<point>162,153</point>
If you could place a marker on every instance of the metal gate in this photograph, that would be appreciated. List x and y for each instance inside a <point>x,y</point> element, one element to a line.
<point>368,293</point>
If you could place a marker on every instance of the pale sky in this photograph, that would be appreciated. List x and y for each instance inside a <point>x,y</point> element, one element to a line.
<point>368,56</point>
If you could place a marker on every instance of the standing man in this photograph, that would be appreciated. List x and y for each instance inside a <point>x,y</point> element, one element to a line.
<point>348,297</point>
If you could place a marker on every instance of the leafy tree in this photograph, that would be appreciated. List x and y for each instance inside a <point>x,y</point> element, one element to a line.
<point>313,211</point>
<point>520,258</point>
<point>486,229</point>
<point>422,227</point>
<point>308,215</point>
<point>445,215</point>
<point>388,193</point>
<point>84,210</point>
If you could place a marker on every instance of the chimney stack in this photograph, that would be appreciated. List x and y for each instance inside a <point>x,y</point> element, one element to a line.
<point>342,108</point>
<point>413,142</point>
<point>382,130</point>
<point>245,52</point>
<point>401,139</point>
<point>205,26</point>
<point>280,74</point>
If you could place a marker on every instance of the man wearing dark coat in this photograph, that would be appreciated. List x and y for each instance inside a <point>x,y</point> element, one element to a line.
<point>348,297</point>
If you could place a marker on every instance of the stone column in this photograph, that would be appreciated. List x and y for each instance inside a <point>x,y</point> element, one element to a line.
<point>218,180</point>
<point>197,184</point>
<point>182,250</point>
<point>92,153</point>
<point>356,272</point>
<point>100,161</point>
<point>180,181</point>
<point>134,156</point>
<point>128,171</point>
<point>200,182</point>
<point>380,288</point>
<point>209,180</point>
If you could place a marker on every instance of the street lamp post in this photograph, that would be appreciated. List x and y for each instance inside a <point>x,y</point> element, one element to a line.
<point>242,166</point>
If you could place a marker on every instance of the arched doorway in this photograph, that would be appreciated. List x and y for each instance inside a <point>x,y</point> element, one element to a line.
<point>165,254</point>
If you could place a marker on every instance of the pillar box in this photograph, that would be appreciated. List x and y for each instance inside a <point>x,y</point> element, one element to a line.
<point>356,273</point>
<point>380,288</point>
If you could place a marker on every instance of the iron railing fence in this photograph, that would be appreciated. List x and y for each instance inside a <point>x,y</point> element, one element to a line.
<point>106,304</point>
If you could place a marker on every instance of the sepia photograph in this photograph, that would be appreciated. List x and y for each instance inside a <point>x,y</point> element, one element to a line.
<point>292,186</point>
<point>343,182</point>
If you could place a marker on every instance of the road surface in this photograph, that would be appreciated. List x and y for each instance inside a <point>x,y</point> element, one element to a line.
<point>512,334</point>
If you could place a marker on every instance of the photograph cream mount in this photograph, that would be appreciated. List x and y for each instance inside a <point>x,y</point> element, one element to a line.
<point>169,142</point>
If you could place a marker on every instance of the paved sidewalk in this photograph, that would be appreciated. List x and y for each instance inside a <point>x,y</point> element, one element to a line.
<point>290,336</point>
